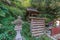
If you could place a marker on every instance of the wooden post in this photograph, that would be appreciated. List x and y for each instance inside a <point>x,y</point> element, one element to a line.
<point>37,26</point>
<point>18,28</point>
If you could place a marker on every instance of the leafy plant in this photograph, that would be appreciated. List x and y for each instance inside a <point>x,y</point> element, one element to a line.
<point>7,31</point>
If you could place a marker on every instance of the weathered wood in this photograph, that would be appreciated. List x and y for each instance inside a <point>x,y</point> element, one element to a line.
<point>31,12</point>
<point>37,26</point>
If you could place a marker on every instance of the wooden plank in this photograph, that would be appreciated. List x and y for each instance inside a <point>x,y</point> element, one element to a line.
<point>37,34</point>
<point>40,28</point>
<point>37,21</point>
<point>38,31</point>
<point>37,26</point>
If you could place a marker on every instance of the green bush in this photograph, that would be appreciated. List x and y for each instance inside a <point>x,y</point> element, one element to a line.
<point>7,31</point>
<point>45,37</point>
<point>26,30</point>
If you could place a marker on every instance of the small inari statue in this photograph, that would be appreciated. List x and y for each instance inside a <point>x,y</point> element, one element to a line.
<point>18,28</point>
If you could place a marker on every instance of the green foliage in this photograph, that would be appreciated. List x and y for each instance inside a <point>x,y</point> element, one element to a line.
<point>7,31</point>
<point>26,30</point>
<point>49,17</point>
<point>45,37</point>
<point>26,3</point>
<point>2,13</point>
<point>15,8</point>
<point>3,10</point>
<point>9,9</point>
<point>7,34</point>
<point>49,9</point>
<point>16,11</point>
